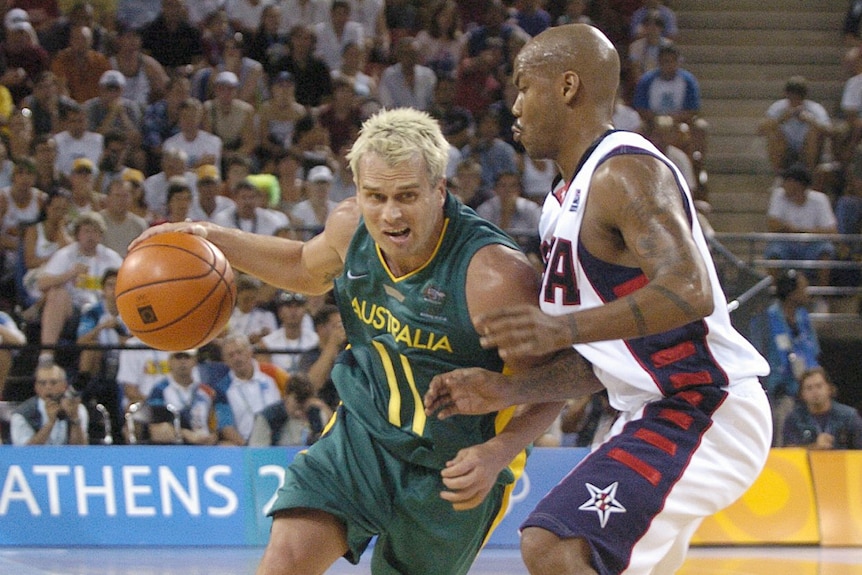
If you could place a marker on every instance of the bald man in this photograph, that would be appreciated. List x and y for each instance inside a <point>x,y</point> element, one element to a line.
<point>630,286</point>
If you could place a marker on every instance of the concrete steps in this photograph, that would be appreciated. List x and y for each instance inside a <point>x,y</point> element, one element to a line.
<point>742,52</point>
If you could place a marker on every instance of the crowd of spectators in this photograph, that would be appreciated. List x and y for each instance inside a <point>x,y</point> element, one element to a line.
<point>241,112</point>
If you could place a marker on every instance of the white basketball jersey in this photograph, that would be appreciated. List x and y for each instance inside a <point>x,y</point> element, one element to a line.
<point>705,352</point>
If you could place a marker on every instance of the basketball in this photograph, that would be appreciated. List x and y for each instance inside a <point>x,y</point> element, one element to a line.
<point>175,291</point>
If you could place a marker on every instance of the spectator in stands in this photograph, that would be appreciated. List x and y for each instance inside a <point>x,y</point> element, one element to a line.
<point>121,225</point>
<point>41,239</point>
<point>297,420</point>
<point>575,13</point>
<point>309,215</point>
<point>484,53</point>
<point>244,15</point>
<point>208,202</point>
<point>137,13</point>
<point>670,90</point>
<point>268,44</point>
<point>161,119</point>
<point>111,111</point>
<point>302,12</point>
<point>407,84</point>
<point>852,20</point>
<point>643,52</point>
<point>249,318</point>
<point>179,395</point>
<point>139,204</point>
<point>290,341</point>
<point>439,46</point>
<point>179,201</point>
<point>248,215</point>
<point>82,13</point>
<point>44,104</point>
<point>140,368</point>
<point>245,391</point>
<point>288,172</point>
<point>171,39</point>
<point>10,334</point>
<point>23,57</point>
<point>371,14</point>
<point>146,79</point>
<point>352,70</point>
<point>201,147</point>
<point>510,210</point>
<point>785,336</point>
<point>19,136</point>
<point>20,204</point>
<point>455,121</point>
<point>668,16</point>
<point>83,195</point>
<point>48,177</point>
<point>230,118</point>
<point>317,363</point>
<point>493,154</point>
<point>276,118</point>
<point>311,75</point>
<point>54,416</point>
<point>531,17</point>
<point>467,183</point>
<point>101,325</point>
<point>795,208</point>
<point>174,164</point>
<point>76,141</point>
<point>848,215</point>
<point>72,277</point>
<point>820,422</point>
<point>341,116</point>
<point>79,67</point>
<point>252,81</point>
<point>335,33</point>
<point>112,163</point>
<point>795,128</point>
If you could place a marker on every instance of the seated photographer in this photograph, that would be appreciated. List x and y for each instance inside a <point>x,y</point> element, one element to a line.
<point>54,416</point>
<point>298,420</point>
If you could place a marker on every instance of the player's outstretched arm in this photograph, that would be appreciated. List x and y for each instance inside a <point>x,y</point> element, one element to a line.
<point>475,391</point>
<point>307,267</point>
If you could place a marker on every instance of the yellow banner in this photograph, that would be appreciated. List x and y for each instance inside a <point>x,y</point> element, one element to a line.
<point>778,509</point>
<point>838,486</point>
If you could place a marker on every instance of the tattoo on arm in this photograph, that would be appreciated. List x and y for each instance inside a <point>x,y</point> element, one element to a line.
<point>683,305</point>
<point>640,321</point>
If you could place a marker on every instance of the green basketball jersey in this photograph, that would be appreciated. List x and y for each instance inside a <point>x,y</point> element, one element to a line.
<point>404,330</point>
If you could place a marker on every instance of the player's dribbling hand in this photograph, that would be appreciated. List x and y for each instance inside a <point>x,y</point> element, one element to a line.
<point>470,476</point>
<point>470,391</point>
<point>194,228</point>
<point>523,332</point>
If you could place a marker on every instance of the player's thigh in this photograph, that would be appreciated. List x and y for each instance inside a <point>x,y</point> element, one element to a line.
<point>426,536</point>
<point>303,541</point>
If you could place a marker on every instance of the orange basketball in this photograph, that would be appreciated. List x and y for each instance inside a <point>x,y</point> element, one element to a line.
<point>175,291</point>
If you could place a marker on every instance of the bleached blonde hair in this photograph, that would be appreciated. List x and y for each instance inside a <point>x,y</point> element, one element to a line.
<point>400,135</point>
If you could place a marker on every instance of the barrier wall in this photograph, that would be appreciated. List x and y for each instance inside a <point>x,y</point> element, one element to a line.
<point>166,495</point>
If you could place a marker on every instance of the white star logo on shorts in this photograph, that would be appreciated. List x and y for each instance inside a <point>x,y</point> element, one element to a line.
<point>603,502</point>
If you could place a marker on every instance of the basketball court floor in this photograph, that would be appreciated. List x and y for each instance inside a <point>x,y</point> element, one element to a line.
<point>243,560</point>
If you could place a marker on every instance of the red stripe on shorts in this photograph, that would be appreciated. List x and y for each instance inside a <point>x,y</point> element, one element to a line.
<point>637,465</point>
<point>679,380</point>
<point>682,420</point>
<point>673,354</point>
<point>657,440</point>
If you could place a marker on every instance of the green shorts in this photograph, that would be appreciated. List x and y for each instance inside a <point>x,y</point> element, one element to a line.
<point>348,474</point>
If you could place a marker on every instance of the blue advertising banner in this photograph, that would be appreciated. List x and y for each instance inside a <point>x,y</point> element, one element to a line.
<point>166,495</point>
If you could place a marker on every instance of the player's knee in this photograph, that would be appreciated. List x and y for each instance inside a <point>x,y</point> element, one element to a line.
<point>546,554</point>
